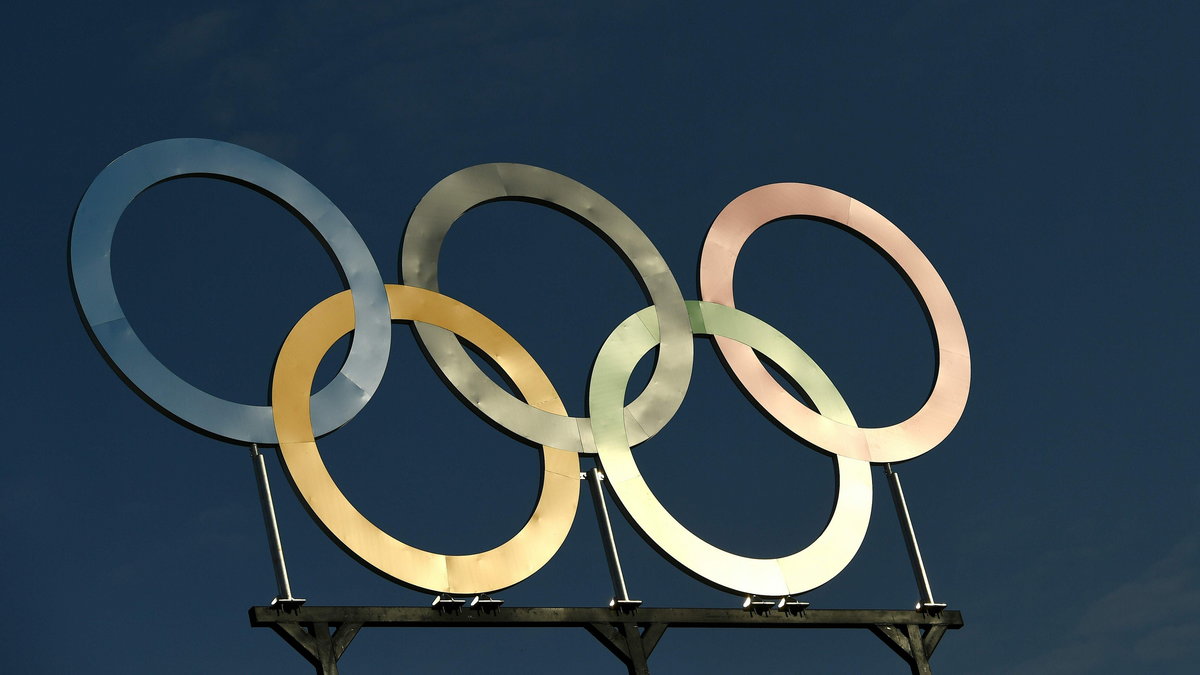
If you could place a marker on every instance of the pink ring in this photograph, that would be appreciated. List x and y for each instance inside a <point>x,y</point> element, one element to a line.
<point>941,412</point>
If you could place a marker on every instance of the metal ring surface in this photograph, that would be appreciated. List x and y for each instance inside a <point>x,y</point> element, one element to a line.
<point>937,417</point>
<point>461,191</point>
<point>91,276</point>
<point>519,557</point>
<point>804,570</point>
<point>367,309</point>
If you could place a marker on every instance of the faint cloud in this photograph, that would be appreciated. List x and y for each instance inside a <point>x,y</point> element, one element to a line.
<point>1148,619</point>
<point>1170,643</point>
<point>1081,657</point>
<point>196,38</point>
<point>1168,588</point>
<point>405,66</point>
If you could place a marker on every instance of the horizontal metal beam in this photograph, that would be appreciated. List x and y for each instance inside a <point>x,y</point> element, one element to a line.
<point>516,617</point>
<point>630,634</point>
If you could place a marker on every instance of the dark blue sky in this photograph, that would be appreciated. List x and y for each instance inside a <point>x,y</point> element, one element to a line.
<point>1043,158</point>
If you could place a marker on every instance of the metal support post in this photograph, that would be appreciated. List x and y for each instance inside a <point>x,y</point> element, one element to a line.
<point>620,592</point>
<point>927,603</point>
<point>273,541</point>
<point>626,639</point>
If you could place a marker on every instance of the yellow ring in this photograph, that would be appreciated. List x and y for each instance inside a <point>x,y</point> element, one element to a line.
<point>503,566</point>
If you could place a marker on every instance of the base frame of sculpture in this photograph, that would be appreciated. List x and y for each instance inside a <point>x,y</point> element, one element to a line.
<point>322,634</point>
<point>628,630</point>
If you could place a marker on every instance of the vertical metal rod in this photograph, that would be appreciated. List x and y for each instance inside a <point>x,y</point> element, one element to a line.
<point>268,511</point>
<point>606,534</point>
<point>910,537</point>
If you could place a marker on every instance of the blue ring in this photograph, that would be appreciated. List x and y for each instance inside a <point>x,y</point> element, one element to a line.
<point>91,277</point>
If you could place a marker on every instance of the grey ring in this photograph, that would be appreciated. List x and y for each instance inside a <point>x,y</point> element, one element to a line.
<point>91,276</point>
<point>463,190</point>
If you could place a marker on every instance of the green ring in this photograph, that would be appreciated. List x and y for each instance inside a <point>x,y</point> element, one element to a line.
<point>801,571</point>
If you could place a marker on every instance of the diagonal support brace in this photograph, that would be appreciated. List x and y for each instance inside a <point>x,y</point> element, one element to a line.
<point>316,644</point>
<point>628,643</point>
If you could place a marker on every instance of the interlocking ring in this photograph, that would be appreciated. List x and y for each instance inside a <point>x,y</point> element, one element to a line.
<point>459,192</point>
<point>941,412</point>
<point>368,307</point>
<point>503,566</point>
<point>795,573</point>
<point>91,276</point>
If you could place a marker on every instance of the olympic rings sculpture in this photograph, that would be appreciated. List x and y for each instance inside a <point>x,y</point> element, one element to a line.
<point>368,306</point>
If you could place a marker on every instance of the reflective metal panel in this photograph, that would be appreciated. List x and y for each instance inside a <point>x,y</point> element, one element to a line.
<point>503,566</point>
<point>804,570</point>
<point>937,417</point>
<point>458,193</point>
<point>91,275</point>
